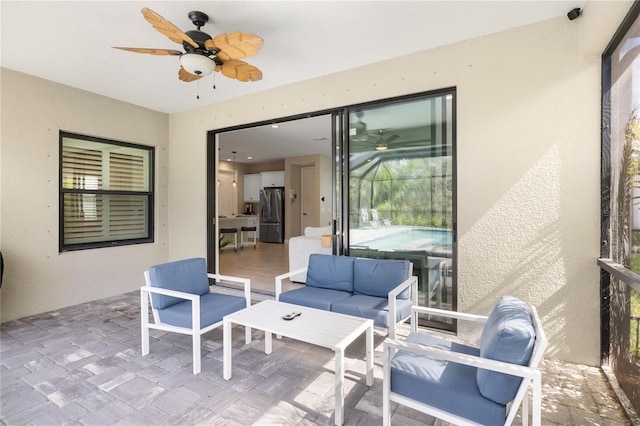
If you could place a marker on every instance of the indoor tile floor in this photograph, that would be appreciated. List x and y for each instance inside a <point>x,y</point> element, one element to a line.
<point>261,264</point>
<point>82,365</point>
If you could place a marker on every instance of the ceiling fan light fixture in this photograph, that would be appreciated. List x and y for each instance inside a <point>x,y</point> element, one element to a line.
<point>197,64</point>
<point>381,147</point>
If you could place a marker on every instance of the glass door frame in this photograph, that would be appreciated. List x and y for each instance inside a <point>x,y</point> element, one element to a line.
<point>340,178</point>
<point>342,173</point>
<point>212,176</point>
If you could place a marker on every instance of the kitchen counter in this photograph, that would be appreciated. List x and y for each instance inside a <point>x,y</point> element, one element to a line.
<point>237,221</point>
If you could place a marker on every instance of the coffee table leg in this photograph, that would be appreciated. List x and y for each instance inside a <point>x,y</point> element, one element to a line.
<point>267,343</point>
<point>369,356</point>
<point>339,386</point>
<point>227,343</point>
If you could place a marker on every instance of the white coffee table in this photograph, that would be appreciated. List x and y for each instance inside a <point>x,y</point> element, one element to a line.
<point>323,328</point>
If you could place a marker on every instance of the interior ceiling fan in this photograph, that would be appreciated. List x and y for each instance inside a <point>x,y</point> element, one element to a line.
<point>203,54</point>
<point>377,139</point>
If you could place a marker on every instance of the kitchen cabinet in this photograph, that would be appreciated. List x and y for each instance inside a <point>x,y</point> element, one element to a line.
<point>252,187</point>
<point>270,179</point>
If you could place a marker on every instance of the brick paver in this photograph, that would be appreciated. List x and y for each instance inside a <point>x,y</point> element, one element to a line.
<point>82,365</point>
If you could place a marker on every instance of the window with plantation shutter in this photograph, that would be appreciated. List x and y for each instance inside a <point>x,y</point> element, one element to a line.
<point>106,193</point>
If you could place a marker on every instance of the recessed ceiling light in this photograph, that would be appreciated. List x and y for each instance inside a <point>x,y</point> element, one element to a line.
<point>249,158</point>
<point>228,159</point>
<point>275,126</point>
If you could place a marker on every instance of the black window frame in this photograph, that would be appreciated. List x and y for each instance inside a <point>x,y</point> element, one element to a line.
<point>149,194</point>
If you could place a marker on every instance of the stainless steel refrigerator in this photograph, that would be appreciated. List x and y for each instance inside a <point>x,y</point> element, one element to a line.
<point>272,215</point>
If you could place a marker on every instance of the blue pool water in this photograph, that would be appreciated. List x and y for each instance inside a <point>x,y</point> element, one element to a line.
<point>411,239</point>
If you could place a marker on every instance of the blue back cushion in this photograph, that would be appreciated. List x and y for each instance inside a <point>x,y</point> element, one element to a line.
<point>508,336</point>
<point>375,277</point>
<point>188,276</point>
<point>333,272</point>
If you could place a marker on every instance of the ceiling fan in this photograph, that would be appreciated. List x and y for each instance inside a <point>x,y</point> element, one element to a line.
<point>203,54</point>
<point>381,143</point>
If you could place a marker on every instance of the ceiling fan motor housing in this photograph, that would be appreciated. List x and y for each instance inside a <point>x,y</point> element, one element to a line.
<point>200,37</point>
<point>198,18</point>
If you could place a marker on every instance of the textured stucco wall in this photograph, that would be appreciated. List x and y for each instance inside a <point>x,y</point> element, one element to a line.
<point>528,166</point>
<point>37,278</point>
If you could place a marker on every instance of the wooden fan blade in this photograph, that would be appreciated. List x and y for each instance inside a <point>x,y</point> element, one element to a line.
<point>184,75</point>
<point>235,45</point>
<point>151,51</point>
<point>167,28</point>
<point>240,70</point>
<point>391,138</point>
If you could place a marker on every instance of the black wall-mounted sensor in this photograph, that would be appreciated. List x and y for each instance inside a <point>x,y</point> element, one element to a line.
<point>574,13</point>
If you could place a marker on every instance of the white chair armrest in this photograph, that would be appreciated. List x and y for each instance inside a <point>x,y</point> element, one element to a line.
<point>193,298</point>
<point>173,293</point>
<point>475,361</point>
<point>280,277</point>
<point>415,310</point>
<point>392,297</point>
<point>411,281</point>
<point>220,277</point>
<point>246,283</point>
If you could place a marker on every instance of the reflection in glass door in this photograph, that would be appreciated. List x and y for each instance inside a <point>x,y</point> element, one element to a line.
<point>401,190</point>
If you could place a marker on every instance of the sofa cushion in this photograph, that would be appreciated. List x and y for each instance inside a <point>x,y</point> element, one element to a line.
<point>213,307</point>
<point>446,385</point>
<point>508,336</point>
<point>374,277</point>
<point>313,297</point>
<point>375,308</point>
<point>332,272</point>
<point>187,276</point>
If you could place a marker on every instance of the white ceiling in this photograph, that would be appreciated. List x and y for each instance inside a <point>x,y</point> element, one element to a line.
<point>308,136</point>
<point>70,42</point>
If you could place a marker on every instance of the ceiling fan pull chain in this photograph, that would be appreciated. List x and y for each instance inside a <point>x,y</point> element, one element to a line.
<point>214,81</point>
<point>198,93</point>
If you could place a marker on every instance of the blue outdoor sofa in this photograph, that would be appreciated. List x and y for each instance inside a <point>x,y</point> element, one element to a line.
<point>379,289</point>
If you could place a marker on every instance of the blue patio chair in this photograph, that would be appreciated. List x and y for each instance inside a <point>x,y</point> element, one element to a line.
<point>462,384</point>
<point>182,302</point>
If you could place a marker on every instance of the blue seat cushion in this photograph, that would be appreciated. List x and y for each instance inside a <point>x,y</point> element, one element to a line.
<point>375,308</point>
<point>332,272</point>
<point>187,276</point>
<point>446,385</point>
<point>313,297</point>
<point>509,336</point>
<point>376,277</point>
<point>213,307</point>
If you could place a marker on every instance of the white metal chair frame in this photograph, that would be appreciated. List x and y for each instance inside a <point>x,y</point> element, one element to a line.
<point>530,374</point>
<point>195,331</point>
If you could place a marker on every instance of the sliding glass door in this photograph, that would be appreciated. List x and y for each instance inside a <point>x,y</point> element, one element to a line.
<point>400,199</point>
